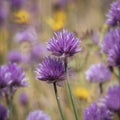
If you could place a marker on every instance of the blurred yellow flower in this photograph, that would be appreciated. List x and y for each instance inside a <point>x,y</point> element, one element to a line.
<point>58,22</point>
<point>81,93</point>
<point>21,17</point>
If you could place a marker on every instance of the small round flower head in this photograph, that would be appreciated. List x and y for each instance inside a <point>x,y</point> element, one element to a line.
<point>113,98</point>
<point>98,73</point>
<point>64,43</point>
<point>114,14</point>
<point>38,115</point>
<point>4,114</point>
<point>16,4</point>
<point>18,78</point>
<point>51,70</point>
<point>4,77</point>
<point>114,55</point>
<point>111,38</point>
<point>95,112</point>
<point>23,99</point>
<point>29,36</point>
<point>14,57</point>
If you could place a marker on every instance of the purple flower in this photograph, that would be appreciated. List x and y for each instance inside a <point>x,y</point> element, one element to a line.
<point>64,43</point>
<point>14,57</point>
<point>95,112</point>
<point>4,114</point>
<point>18,78</point>
<point>111,38</point>
<point>98,73</point>
<point>51,70</point>
<point>113,98</point>
<point>16,4</point>
<point>5,77</point>
<point>114,14</point>
<point>24,99</point>
<point>38,115</point>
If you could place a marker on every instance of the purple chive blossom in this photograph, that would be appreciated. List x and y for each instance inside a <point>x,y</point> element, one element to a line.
<point>51,70</point>
<point>38,115</point>
<point>64,43</point>
<point>4,114</point>
<point>114,14</point>
<point>18,77</point>
<point>98,73</point>
<point>111,38</point>
<point>114,55</point>
<point>14,57</point>
<point>23,99</point>
<point>95,112</point>
<point>113,98</point>
<point>16,4</point>
<point>5,76</point>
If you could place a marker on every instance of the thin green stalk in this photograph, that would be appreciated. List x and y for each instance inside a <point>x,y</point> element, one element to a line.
<point>69,89</point>
<point>58,101</point>
<point>101,88</point>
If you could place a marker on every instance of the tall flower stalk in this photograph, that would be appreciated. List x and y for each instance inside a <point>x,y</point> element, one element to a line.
<point>69,88</point>
<point>58,100</point>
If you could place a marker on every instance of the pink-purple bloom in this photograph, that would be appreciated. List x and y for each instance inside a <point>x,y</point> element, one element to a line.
<point>64,43</point>
<point>51,70</point>
<point>113,98</point>
<point>95,112</point>
<point>114,14</point>
<point>5,77</point>
<point>38,115</point>
<point>2,16</point>
<point>23,99</point>
<point>14,57</point>
<point>4,114</point>
<point>98,73</point>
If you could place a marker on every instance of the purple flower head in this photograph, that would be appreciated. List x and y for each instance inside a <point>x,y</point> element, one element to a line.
<point>114,14</point>
<point>5,77</point>
<point>39,51</point>
<point>51,70</point>
<point>95,112</point>
<point>27,35</point>
<point>64,43</point>
<point>18,78</point>
<point>14,57</point>
<point>4,114</point>
<point>114,55</point>
<point>113,98</point>
<point>38,115</point>
<point>98,73</point>
<point>16,4</point>
<point>23,99</point>
<point>111,38</point>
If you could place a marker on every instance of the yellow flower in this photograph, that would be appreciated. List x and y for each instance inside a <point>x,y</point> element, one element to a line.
<point>21,17</point>
<point>81,93</point>
<point>58,22</point>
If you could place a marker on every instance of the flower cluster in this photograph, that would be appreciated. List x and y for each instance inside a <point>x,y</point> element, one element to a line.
<point>114,14</point>
<point>64,43</point>
<point>98,73</point>
<point>113,98</point>
<point>95,112</point>
<point>51,70</point>
<point>12,76</point>
<point>38,115</point>
<point>111,46</point>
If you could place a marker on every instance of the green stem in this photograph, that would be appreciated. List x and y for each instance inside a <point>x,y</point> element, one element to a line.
<point>69,89</point>
<point>101,88</point>
<point>58,101</point>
